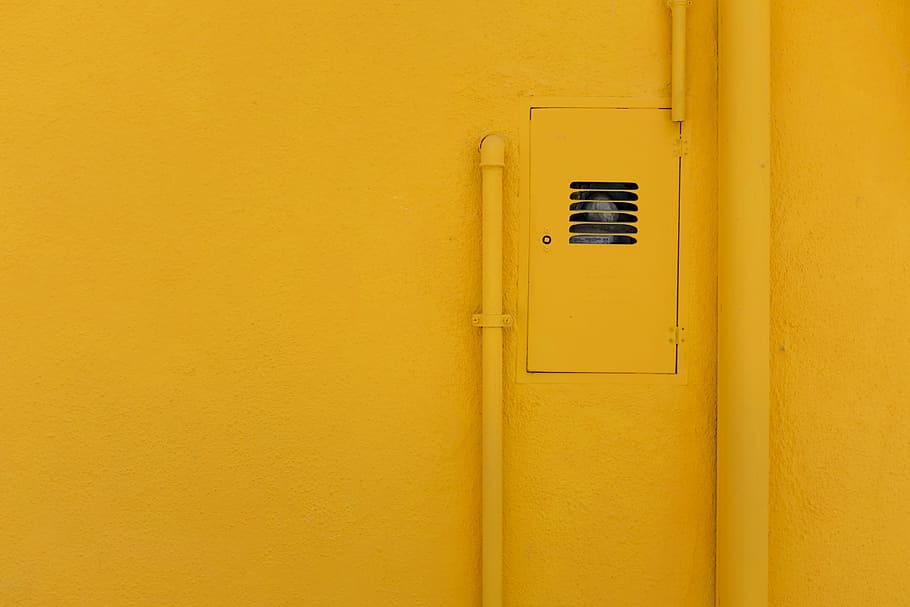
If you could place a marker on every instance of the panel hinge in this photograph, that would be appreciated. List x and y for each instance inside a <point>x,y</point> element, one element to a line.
<point>491,320</point>
<point>682,146</point>
<point>677,335</point>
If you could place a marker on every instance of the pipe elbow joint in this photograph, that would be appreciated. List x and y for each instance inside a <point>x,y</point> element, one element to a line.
<point>493,151</point>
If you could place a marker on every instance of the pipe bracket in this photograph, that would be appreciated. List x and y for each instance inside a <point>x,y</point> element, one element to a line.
<point>492,320</point>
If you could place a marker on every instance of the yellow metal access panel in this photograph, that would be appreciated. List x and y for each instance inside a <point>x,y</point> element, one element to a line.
<point>603,250</point>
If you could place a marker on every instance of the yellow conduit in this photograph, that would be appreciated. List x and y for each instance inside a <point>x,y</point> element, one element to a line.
<point>678,60</point>
<point>492,161</point>
<point>743,303</point>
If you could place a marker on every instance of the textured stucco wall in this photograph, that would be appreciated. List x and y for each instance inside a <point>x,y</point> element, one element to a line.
<point>238,256</point>
<point>840,464</point>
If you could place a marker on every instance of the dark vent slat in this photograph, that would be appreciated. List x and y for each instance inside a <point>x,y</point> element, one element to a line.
<point>603,185</point>
<point>600,195</point>
<point>603,217</point>
<point>602,240</point>
<point>602,228</point>
<point>603,206</point>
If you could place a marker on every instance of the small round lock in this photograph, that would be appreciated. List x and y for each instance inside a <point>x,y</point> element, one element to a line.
<point>546,239</point>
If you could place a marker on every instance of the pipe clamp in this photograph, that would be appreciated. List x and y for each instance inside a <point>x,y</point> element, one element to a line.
<point>492,320</point>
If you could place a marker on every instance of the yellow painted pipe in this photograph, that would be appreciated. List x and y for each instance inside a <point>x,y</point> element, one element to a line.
<point>678,60</point>
<point>743,383</point>
<point>492,162</point>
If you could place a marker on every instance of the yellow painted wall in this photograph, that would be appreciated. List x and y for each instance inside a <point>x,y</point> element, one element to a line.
<point>840,429</point>
<point>239,254</point>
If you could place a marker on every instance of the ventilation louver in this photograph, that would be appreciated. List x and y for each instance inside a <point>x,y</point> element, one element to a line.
<point>607,212</point>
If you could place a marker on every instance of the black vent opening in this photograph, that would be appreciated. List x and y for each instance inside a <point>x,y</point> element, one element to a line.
<point>609,212</point>
<point>602,195</point>
<point>603,206</point>
<point>602,240</point>
<point>603,185</point>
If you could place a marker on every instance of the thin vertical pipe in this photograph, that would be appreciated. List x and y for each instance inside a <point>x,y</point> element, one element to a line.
<point>678,60</point>
<point>492,162</point>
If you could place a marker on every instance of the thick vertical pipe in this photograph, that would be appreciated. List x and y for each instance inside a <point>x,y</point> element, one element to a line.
<point>743,389</point>
<point>678,60</point>
<point>492,161</point>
